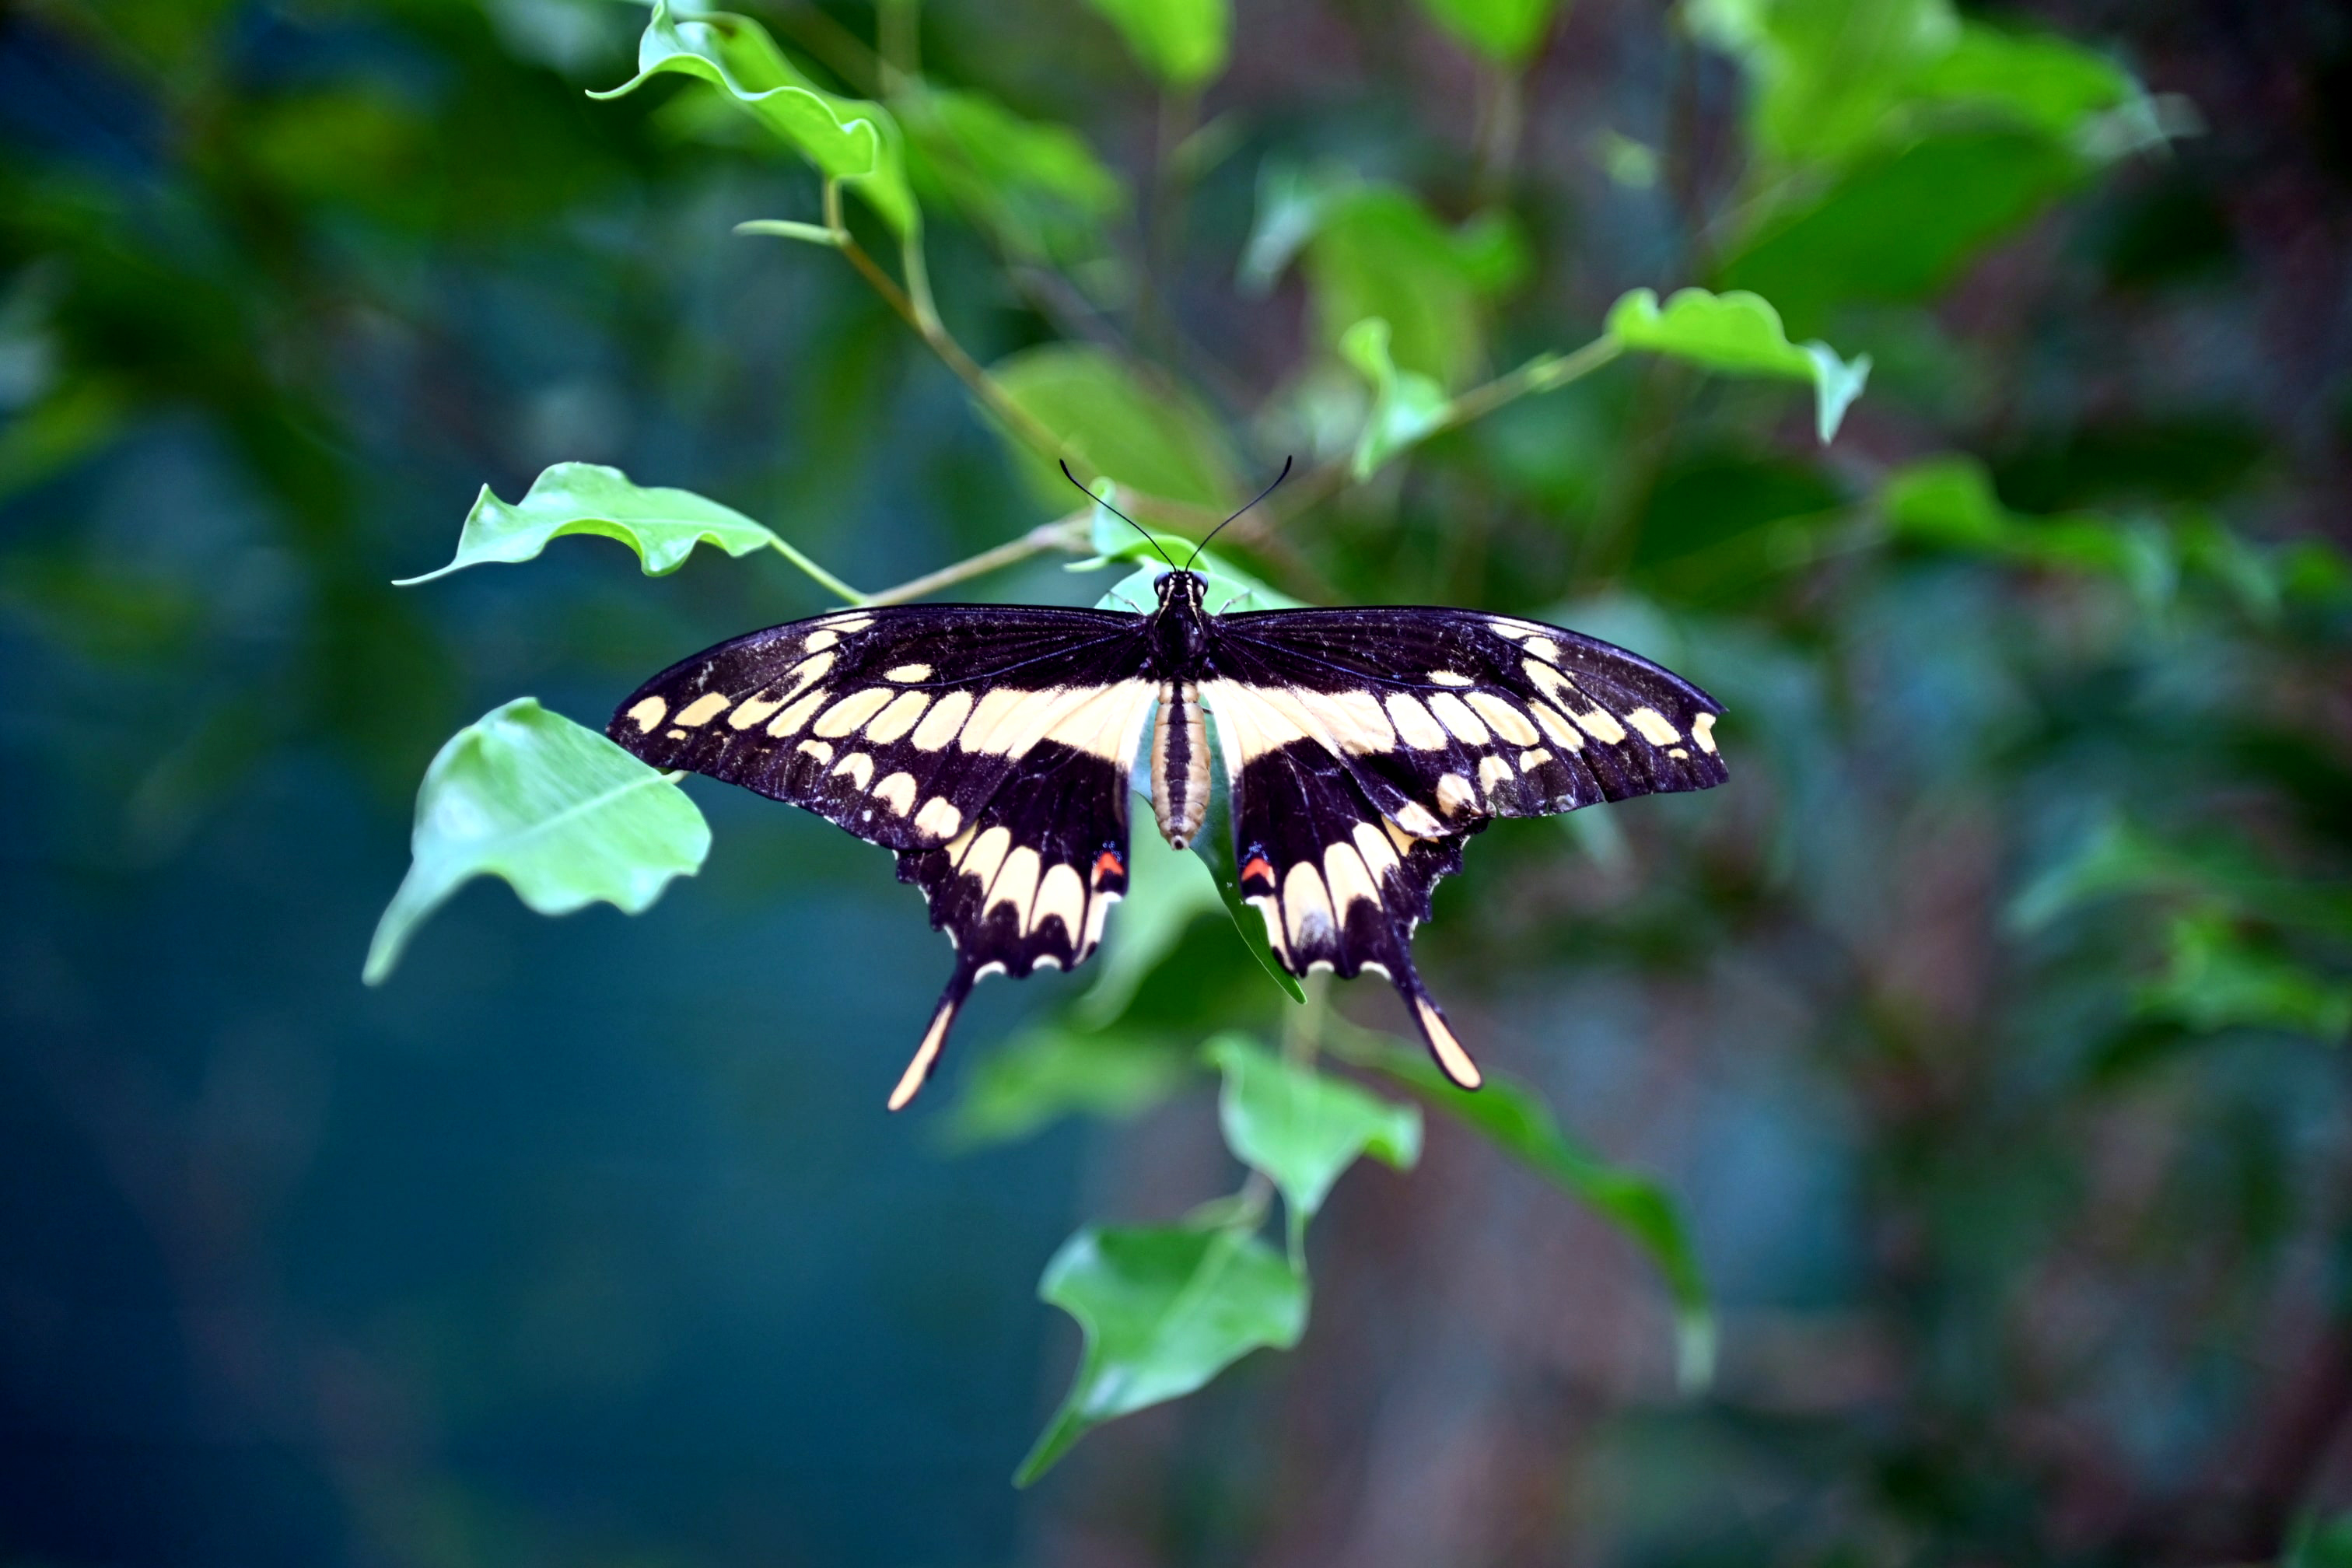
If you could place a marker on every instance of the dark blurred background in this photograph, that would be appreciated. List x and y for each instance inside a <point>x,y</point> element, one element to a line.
<point>1988,1026</point>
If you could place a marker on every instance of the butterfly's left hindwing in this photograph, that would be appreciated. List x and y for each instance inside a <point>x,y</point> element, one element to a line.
<point>988,746</point>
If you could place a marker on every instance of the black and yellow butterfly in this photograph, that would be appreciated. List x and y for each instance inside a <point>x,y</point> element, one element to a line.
<point>990,746</point>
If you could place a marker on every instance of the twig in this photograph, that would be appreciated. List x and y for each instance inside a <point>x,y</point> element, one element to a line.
<point>1070,533</point>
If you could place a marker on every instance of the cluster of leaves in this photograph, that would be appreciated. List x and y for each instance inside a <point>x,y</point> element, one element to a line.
<point>1873,178</point>
<point>2101,674</point>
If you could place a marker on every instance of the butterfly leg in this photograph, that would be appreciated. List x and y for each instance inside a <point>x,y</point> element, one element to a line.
<point>927,1055</point>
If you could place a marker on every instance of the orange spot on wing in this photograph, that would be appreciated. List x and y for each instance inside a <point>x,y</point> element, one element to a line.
<point>1257,868</point>
<point>1107,865</point>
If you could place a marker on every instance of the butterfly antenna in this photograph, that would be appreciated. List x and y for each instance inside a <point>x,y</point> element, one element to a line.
<point>1121,516</point>
<point>1221,527</point>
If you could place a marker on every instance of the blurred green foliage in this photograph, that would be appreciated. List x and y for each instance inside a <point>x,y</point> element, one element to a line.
<point>1988,1028</point>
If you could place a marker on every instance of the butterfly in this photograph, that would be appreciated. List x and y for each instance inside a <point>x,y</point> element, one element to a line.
<point>990,747</point>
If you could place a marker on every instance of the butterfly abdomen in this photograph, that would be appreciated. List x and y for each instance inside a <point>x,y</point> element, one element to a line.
<point>1179,763</point>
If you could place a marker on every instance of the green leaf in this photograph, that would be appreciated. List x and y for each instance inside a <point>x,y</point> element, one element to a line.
<point>1293,201</point>
<point>1504,31</point>
<point>1303,1128</point>
<point>560,812</point>
<point>1167,890</point>
<point>1947,502</point>
<point>2036,80</point>
<point>2215,979</point>
<point>1037,186</point>
<point>1517,1120</point>
<point>1164,1309</point>
<point>847,139</point>
<point>1741,333</point>
<point>1828,74</point>
<point>1376,251</point>
<point>1898,228</point>
<point>663,526</point>
<point>1048,1072</point>
<point>1181,42</point>
<point>1406,405</point>
<point>1116,425</point>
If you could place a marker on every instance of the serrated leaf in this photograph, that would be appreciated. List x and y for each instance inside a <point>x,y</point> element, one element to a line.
<point>847,139</point>
<point>1050,1071</point>
<point>560,813</point>
<point>1506,31</point>
<point>1740,332</point>
<point>1116,425</point>
<point>662,525</point>
<point>1037,186</point>
<point>1406,405</point>
<point>1517,1120</point>
<point>1303,1128</point>
<point>1164,1309</point>
<point>1181,42</point>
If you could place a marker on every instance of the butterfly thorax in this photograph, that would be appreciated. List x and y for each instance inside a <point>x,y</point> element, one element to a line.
<point>1180,741</point>
<point>1180,627</point>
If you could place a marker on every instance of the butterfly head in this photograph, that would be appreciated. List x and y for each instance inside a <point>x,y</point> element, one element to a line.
<point>1180,626</point>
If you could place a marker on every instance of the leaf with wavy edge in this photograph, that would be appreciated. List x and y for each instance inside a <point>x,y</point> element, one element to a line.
<point>1164,1309</point>
<point>1303,1128</point>
<point>1741,333</point>
<point>848,139</point>
<point>562,814</point>
<point>663,526</point>
<point>1406,405</point>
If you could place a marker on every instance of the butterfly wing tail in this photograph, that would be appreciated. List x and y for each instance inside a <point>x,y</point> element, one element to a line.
<point>1452,1060</point>
<point>935,1038</point>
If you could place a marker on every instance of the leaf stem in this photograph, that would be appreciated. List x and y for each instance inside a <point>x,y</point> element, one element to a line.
<point>1545,373</point>
<point>824,579</point>
<point>1070,533</point>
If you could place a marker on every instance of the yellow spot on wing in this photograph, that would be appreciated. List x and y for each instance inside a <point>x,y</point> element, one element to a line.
<point>1307,906</point>
<point>1107,724</point>
<point>1451,678</point>
<point>1653,726</point>
<point>1354,719</point>
<point>1061,893</point>
<point>898,793</point>
<point>1530,761</point>
<point>807,673</point>
<point>1543,648</point>
<point>1602,725</point>
<point>1455,794</point>
<point>859,766</point>
<point>751,709</point>
<point>1380,858</point>
<point>1413,724</point>
<point>817,749</point>
<point>649,713</point>
<point>847,624</point>
<point>820,640</point>
<point>1702,732</point>
<point>1492,774</point>
<point>1555,725</point>
<point>1015,886</point>
<point>1414,819</point>
<point>898,717</point>
<point>986,855</point>
<point>907,672</point>
<point>1456,716</point>
<point>793,717</point>
<point>704,708</point>
<point>938,817</point>
<point>1507,722</point>
<point>1348,877</point>
<point>940,724</point>
<point>851,712</point>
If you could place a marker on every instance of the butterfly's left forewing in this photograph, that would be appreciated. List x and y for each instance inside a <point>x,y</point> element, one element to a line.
<point>988,746</point>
